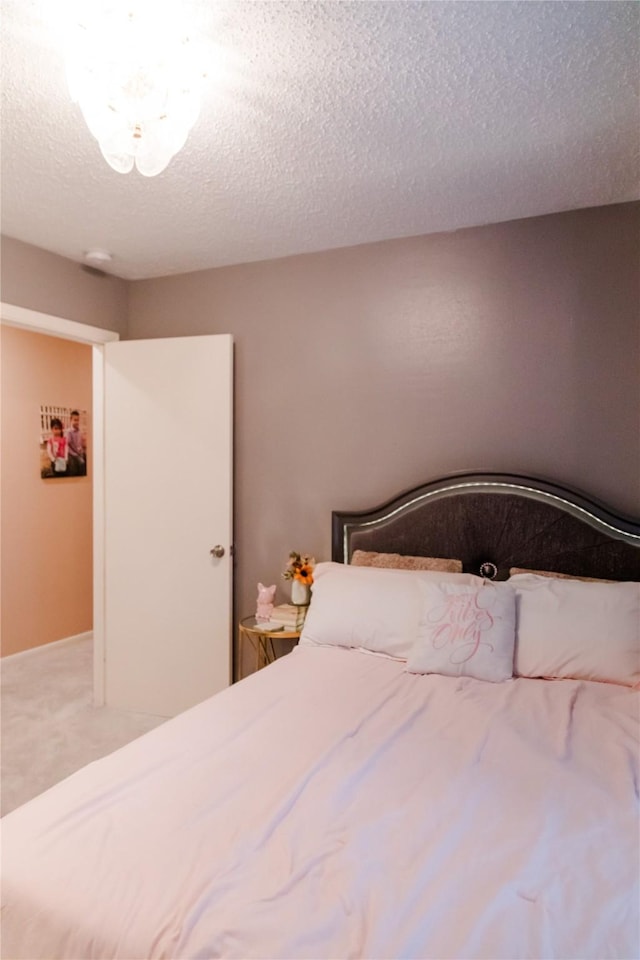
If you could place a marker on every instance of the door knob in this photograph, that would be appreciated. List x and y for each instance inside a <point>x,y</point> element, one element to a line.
<point>217,551</point>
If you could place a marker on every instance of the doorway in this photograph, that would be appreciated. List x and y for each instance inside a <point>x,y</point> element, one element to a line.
<point>94,337</point>
<point>161,657</point>
<point>46,493</point>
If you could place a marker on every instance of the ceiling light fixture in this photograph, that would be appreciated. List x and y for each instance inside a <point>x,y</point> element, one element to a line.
<point>137,77</point>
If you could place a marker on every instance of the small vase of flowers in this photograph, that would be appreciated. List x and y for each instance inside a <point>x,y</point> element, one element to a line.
<point>300,572</point>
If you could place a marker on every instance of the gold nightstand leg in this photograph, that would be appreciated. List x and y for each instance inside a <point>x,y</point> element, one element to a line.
<point>264,651</point>
<point>263,646</point>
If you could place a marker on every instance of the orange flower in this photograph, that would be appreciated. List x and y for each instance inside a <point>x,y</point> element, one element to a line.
<point>304,574</point>
<point>299,568</point>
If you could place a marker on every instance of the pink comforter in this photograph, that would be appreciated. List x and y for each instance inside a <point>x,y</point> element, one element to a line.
<point>334,806</point>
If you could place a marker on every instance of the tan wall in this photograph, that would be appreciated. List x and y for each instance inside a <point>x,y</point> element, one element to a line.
<point>46,282</point>
<point>363,371</point>
<point>46,578</point>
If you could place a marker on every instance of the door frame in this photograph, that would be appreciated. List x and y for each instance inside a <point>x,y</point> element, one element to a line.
<point>12,315</point>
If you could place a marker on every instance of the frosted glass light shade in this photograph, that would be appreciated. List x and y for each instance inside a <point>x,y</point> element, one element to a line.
<point>137,78</point>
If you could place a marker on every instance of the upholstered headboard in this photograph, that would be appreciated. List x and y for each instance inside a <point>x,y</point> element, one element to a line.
<point>503,519</point>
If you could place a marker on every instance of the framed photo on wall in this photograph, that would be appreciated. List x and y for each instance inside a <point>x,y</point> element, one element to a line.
<point>63,442</point>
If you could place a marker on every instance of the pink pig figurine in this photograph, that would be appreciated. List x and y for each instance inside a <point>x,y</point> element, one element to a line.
<point>265,602</point>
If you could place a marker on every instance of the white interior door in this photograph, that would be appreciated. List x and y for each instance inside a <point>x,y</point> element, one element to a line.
<point>168,502</point>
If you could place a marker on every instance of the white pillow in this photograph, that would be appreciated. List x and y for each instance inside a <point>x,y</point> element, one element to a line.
<point>373,608</point>
<point>466,631</point>
<point>579,630</point>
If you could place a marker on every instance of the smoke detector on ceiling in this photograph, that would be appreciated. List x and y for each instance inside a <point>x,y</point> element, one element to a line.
<point>95,261</point>
<point>98,258</point>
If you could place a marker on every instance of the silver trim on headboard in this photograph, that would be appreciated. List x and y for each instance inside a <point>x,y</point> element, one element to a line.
<point>499,487</point>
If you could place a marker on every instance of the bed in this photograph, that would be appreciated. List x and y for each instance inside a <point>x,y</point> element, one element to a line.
<point>354,800</point>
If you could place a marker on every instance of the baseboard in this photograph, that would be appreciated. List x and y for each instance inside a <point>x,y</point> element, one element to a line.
<point>87,635</point>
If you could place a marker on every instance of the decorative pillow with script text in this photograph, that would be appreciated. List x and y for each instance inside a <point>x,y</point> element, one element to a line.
<point>466,631</point>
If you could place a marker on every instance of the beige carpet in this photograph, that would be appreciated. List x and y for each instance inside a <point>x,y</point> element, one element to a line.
<point>49,726</point>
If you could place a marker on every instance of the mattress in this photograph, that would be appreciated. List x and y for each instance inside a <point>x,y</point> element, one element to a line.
<point>333,805</point>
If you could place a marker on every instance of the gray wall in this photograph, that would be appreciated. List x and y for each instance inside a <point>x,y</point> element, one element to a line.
<point>364,371</point>
<point>48,283</point>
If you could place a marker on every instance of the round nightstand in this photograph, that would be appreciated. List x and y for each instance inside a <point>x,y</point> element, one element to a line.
<point>261,640</point>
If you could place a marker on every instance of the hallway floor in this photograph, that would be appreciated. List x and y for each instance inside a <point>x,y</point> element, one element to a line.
<point>49,726</point>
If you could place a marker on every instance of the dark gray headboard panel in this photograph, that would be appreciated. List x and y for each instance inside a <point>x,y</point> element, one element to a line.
<point>505,519</point>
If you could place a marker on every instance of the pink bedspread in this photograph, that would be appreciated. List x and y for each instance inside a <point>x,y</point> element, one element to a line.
<point>334,806</point>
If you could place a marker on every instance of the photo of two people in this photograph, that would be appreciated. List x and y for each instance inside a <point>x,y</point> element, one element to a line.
<point>63,442</point>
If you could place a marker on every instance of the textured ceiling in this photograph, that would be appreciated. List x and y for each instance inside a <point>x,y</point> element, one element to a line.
<point>327,124</point>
